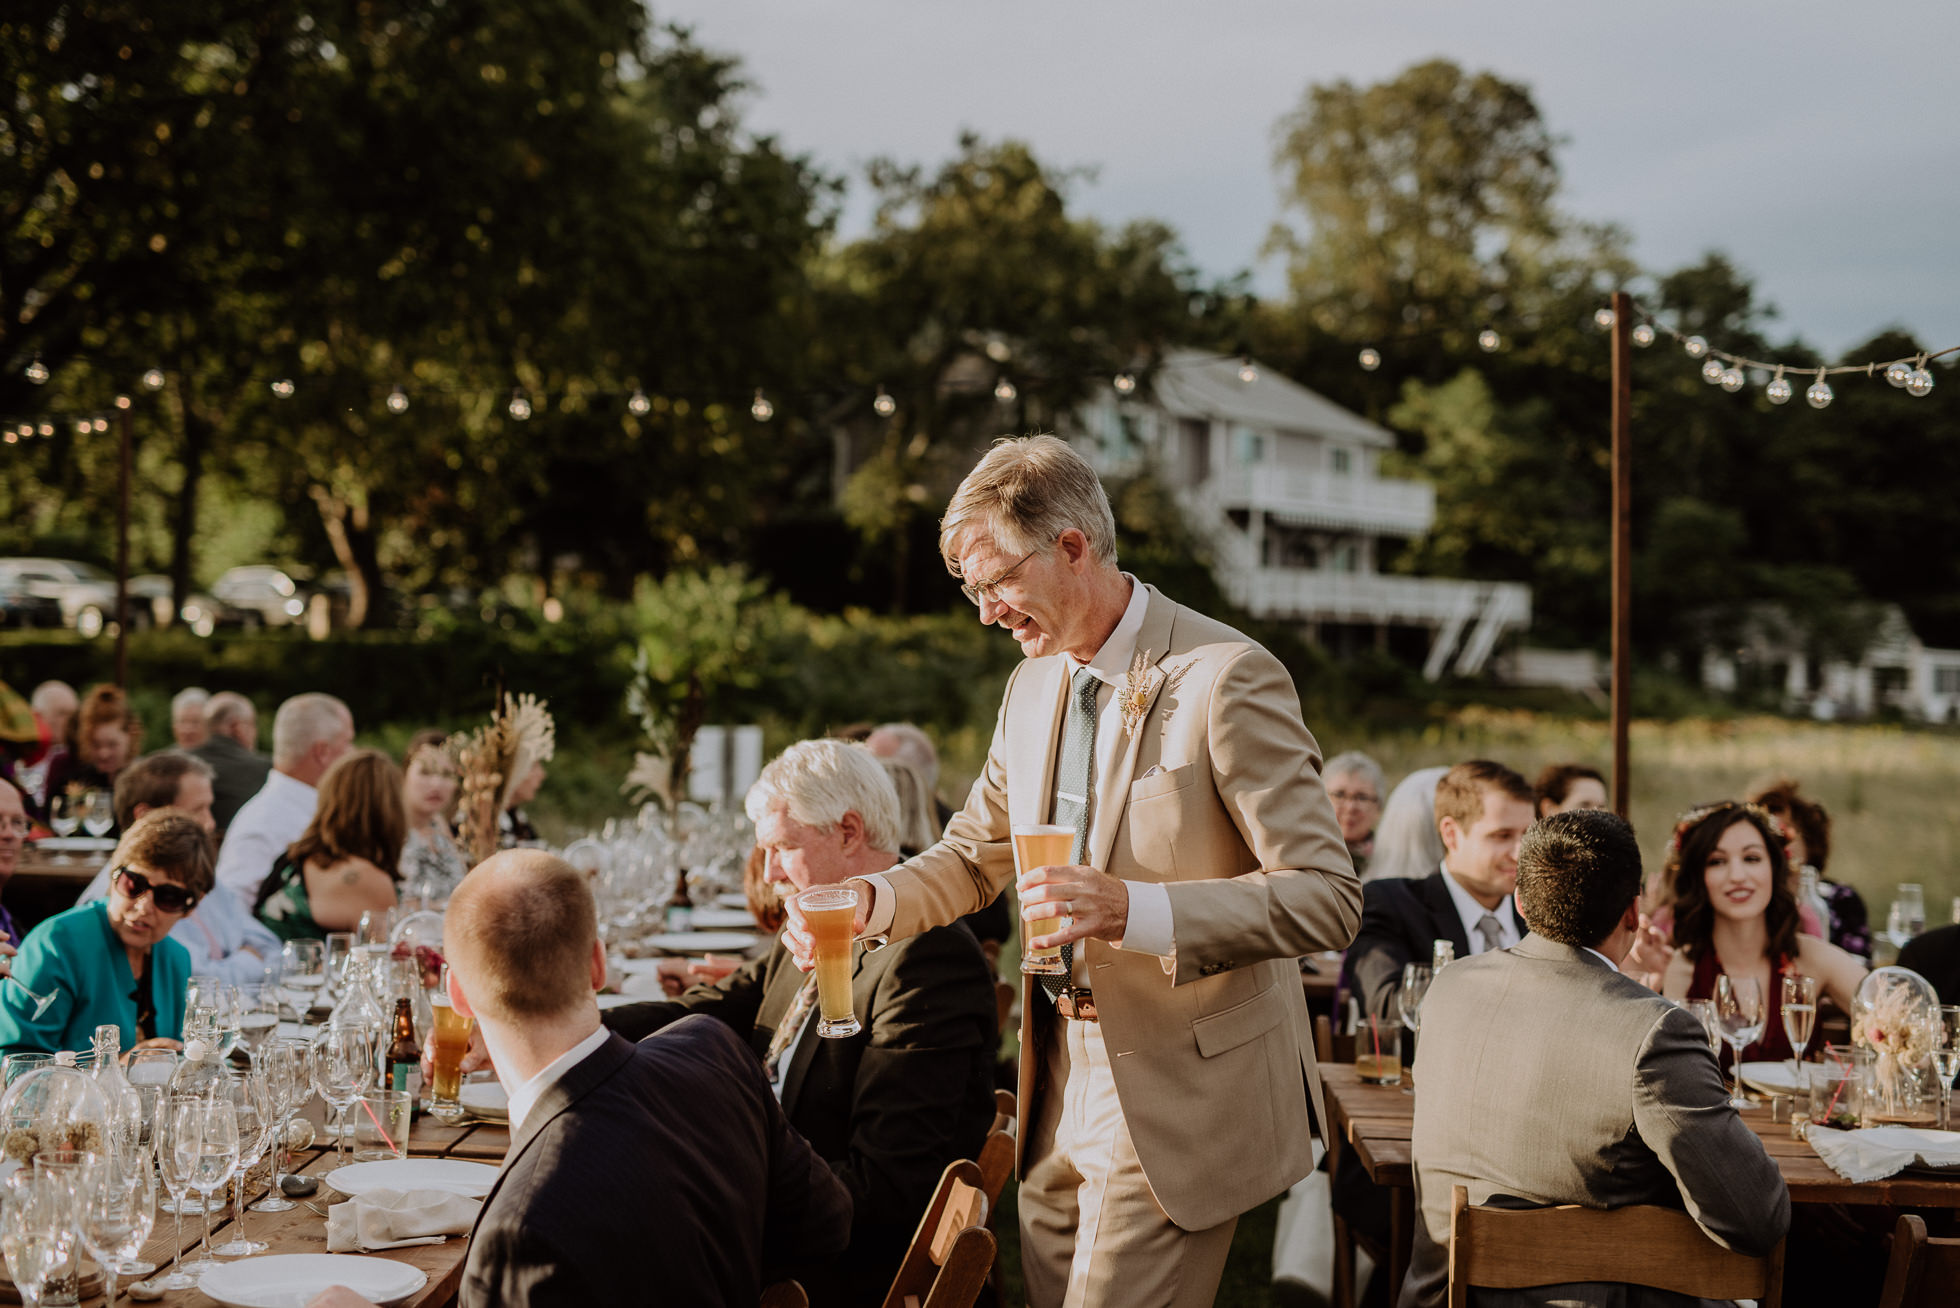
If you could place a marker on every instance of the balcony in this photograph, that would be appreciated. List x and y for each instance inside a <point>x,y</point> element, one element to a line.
<point>1329,501</point>
<point>1290,594</point>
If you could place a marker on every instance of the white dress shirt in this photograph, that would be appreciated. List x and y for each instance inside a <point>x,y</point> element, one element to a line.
<point>264,825</point>
<point>525,1097</point>
<point>1472,913</point>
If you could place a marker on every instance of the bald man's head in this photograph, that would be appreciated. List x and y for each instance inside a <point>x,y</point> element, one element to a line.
<point>519,936</point>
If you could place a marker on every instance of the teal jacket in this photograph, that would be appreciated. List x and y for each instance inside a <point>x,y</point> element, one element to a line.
<point>77,954</point>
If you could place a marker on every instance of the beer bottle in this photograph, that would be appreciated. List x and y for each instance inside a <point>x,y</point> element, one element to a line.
<point>404,1054</point>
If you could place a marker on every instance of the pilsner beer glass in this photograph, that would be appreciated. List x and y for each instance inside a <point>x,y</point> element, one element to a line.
<point>1042,846</point>
<point>831,912</point>
<point>449,1040</point>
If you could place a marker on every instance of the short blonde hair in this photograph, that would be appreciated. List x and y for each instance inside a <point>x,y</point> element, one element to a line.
<point>1022,495</point>
<point>519,931</point>
<point>819,781</point>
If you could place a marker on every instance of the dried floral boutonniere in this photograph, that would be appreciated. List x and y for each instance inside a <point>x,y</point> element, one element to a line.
<point>1134,697</point>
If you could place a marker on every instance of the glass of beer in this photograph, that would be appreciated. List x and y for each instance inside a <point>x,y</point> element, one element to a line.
<point>1042,846</point>
<point>831,912</point>
<point>449,1040</point>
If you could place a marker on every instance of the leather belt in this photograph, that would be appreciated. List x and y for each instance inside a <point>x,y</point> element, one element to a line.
<point>1076,1004</point>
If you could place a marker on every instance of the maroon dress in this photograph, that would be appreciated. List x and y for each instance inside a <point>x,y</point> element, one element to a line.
<point>1775,1043</point>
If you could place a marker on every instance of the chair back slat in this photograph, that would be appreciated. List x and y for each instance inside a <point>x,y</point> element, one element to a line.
<point>785,1294</point>
<point>1004,1111</point>
<point>1328,1047</point>
<point>952,1250</point>
<point>996,1163</point>
<point>1923,1272</point>
<point>1661,1248</point>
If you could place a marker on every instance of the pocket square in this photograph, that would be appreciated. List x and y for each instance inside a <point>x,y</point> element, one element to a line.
<point>1155,768</point>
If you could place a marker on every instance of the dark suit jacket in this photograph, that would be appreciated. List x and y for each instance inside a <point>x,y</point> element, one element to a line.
<point>887,1108</point>
<point>240,775</point>
<point>657,1173</point>
<point>1936,956</point>
<point>1401,920</point>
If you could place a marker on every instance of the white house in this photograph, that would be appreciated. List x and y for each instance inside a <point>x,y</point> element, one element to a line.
<point>1286,487</point>
<point>1895,669</point>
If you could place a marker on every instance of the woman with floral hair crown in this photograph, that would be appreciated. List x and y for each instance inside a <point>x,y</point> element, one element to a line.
<point>1734,914</point>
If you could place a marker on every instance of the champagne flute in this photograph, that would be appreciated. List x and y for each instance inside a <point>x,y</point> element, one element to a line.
<point>342,1066</point>
<point>1799,1017</point>
<point>253,1110</point>
<point>64,819</point>
<point>1946,1060</point>
<point>34,1232</point>
<point>1415,988</point>
<point>288,1081</point>
<point>98,816</point>
<point>258,1018</point>
<point>1739,1015</point>
<point>204,1137</point>
<point>114,1218</point>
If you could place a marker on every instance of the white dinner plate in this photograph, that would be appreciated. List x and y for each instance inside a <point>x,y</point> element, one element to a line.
<point>76,844</point>
<point>1771,1078</point>
<point>291,1280</point>
<point>472,1180</point>
<point>723,919</point>
<point>487,1099</point>
<point>637,966</point>
<point>700,942</point>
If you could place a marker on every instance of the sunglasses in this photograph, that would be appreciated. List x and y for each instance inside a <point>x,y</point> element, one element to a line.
<point>168,898</point>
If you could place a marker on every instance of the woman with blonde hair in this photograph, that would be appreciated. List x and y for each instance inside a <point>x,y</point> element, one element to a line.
<point>348,861</point>
<point>432,862</point>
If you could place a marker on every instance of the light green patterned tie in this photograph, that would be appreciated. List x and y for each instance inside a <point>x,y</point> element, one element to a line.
<point>1073,779</point>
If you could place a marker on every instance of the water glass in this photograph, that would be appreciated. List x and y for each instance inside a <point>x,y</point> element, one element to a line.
<point>15,1066</point>
<point>1833,1093</point>
<point>35,1232</point>
<point>71,1172</point>
<point>381,1122</point>
<point>114,1218</point>
<point>1378,1052</point>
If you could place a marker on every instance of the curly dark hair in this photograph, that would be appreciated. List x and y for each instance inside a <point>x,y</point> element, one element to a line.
<point>1694,913</point>
<point>1578,873</point>
<point>1808,817</point>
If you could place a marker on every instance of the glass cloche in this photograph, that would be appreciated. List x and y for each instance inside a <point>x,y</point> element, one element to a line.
<point>54,1107</point>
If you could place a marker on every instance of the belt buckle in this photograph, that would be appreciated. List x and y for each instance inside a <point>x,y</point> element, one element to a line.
<point>1076,1004</point>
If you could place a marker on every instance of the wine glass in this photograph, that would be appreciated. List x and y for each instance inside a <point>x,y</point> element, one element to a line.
<point>1415,988</point>
<point>175,1166</point>
<point>258,1017</point>
<point>288,1082</point>
<point>1946,1060</point>
<point>98,815</point>
<point>1739,1016</point>
<point>253,1110</point>
<point>114,1218</point>
<point>303,965</point>
<point>34,1232</point>
<point>339,948</point>
<point>342,1066</point>
<point>1799,1017</point>
<point>204,1138</point>
<point>65,819</point>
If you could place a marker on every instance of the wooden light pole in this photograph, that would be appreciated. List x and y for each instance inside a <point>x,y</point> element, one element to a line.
<point>1622,545</point>
<point>122,547</point>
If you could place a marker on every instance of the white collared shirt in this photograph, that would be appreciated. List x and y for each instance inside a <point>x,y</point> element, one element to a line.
<point>1601,957</point>
<point>1472,913</point>
<point>264,825</point>
<point>525,1097</point>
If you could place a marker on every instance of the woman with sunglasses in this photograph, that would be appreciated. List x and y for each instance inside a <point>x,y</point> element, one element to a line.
<point>111,961</point>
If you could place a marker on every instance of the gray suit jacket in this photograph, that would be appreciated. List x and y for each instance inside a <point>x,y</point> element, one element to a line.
<point>1545,1077</point>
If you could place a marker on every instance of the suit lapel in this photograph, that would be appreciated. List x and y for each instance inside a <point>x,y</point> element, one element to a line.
<point>1153,642</point>
<point>1444,918</point>
<point>1035,723</point>
<point>594,1070</point>
<point>782,991</point>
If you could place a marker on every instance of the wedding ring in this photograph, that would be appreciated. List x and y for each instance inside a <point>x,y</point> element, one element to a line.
<point>1068,908</point>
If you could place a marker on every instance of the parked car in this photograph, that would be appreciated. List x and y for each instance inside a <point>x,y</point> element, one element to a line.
<point>72,584</point>
<point>149,605</point>
<point>264,593</point>
<point>20,606</point>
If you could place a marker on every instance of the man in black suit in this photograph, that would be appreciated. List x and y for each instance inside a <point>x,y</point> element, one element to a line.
<point>231,727</point>
<point>1936,956</point>
<point>889,1107</point>
<point>662,1172</point>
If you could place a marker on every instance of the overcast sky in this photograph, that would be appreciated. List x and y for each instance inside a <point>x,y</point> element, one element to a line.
<point>1814,143</point>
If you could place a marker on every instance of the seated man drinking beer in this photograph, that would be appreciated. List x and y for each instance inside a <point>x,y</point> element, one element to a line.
<point>912,1088</point>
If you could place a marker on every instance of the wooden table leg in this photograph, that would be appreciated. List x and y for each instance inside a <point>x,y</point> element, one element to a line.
<point>1401,1235</point>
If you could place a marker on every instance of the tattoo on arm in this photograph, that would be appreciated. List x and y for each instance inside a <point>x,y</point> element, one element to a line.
<point>351,875</point>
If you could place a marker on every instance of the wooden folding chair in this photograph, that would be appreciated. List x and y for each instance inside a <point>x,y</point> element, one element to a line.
<point>1331,1048</point>
<point>947,1261</point>
<point>1661,1248</point>
<point>785,1294</point>
<point>1923,1273</point>
<point>1004,1111</point>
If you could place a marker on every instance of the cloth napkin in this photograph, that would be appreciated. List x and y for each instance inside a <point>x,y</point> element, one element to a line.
<point>1873,1153</point>
<point>392,1219</point>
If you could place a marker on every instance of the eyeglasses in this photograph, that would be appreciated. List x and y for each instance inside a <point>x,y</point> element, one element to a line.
<point>989,591</point>
<point>1352,797</point>
<point>168,898</point>
<point>17,825</point>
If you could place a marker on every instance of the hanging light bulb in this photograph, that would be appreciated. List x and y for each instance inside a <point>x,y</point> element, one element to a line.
<point>884,405</point>
<point>283,388</point>
<point>398,400</point>
<point>1711,370</point>
<point>1643,335</point>
<point>1247,373</point>
<point>27,429</point>
<point>1695,346</point>
<point>1921,381</point>
<point>1898,372</point>
<point>47,429</point>
<point>1732,379</point>
<point>1819,391</point>
<point>1779,390</point>
<point>12,437</point>
<point>520,407</point>
<point>122,401</point>
<point>1004,391</point>
<point>153,379</point>
<point>102,424</point>
<point>1370,359</point>
<point>1489,341</point>
<point>760,408</point>
<point>37,372</point>
<point>638,404</point>
<point>84,427</point>
<point>1125,384</point>
<point>1603,319</point>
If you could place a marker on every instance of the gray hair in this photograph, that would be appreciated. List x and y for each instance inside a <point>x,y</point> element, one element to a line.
<point>1022,495</point>
<point>48,692</point>
<point>1354,764</point>
<point>227,707</point>
<point>910,746</point>
<point>819,781</point>
<point>189,697</point>
<point>918,821</point>
<point>1407,843</point>
<point>303,722</point>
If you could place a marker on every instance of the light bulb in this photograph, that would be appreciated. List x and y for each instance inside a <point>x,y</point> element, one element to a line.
<point>1603,319</point>
<point>1819,391</point>
<point>1695,346</point>
<point>1488,340</point>
<point>12,437</point>
<point>1004,391</point>
<point>47,429</point>
<point>398,400</point>
<point>37,372</point>
<point>153,379</point>
<point>122,401</point>
<point>1247,373</point>
<point>102,424</point>
<point>27,428</point>
<point>520,407</point>
<point>1779,390</point>
<point>1921,381</point>
<point>884,405</point>
<point>1125,384</point>
<point>1711,370</point>
<point>84,427</point>
<point>1732,379</point>
<point>1898,372</point>
<point>1370,359</point>
<point>283,388</point>
<point>1643,335</point>
<point>638,404</point>
<point>760,408</point>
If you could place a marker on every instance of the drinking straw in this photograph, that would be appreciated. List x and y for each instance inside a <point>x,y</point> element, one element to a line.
<point>1375,1033</point>
<point>393,1148</point>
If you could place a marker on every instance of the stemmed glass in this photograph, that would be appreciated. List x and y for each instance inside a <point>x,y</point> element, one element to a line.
<point>176,1166</point>
<point>204,1138</point>
<point>289,1085</point>
<point>114,1219</point>
<point>303,966</point>
<point>1415,988</point>
<point>35,1232</point>
<point>258,1017</point>
<point>1799,1017</point>
<point>1946,1060</point>
<point>1739,1015</point>
<point>342,1067</point>
<point>339,948</point>
<point>98,816</point>
<point>72,1172</point>
<point>252,1108</point>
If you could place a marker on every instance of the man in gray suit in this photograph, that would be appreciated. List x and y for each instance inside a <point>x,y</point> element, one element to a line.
<point>1546,1077</point>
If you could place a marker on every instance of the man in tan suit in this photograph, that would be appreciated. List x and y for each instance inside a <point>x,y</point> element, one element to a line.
<point>1165,1084</point>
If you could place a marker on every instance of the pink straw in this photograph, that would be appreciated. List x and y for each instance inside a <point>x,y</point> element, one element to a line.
<point>393,1148</point>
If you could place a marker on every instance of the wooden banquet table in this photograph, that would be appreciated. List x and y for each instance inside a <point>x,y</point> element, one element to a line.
<point>43,885</point>
<point>1372,1124</point>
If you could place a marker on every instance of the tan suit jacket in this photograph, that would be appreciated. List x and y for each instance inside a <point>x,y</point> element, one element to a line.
<point>1215,794</point>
